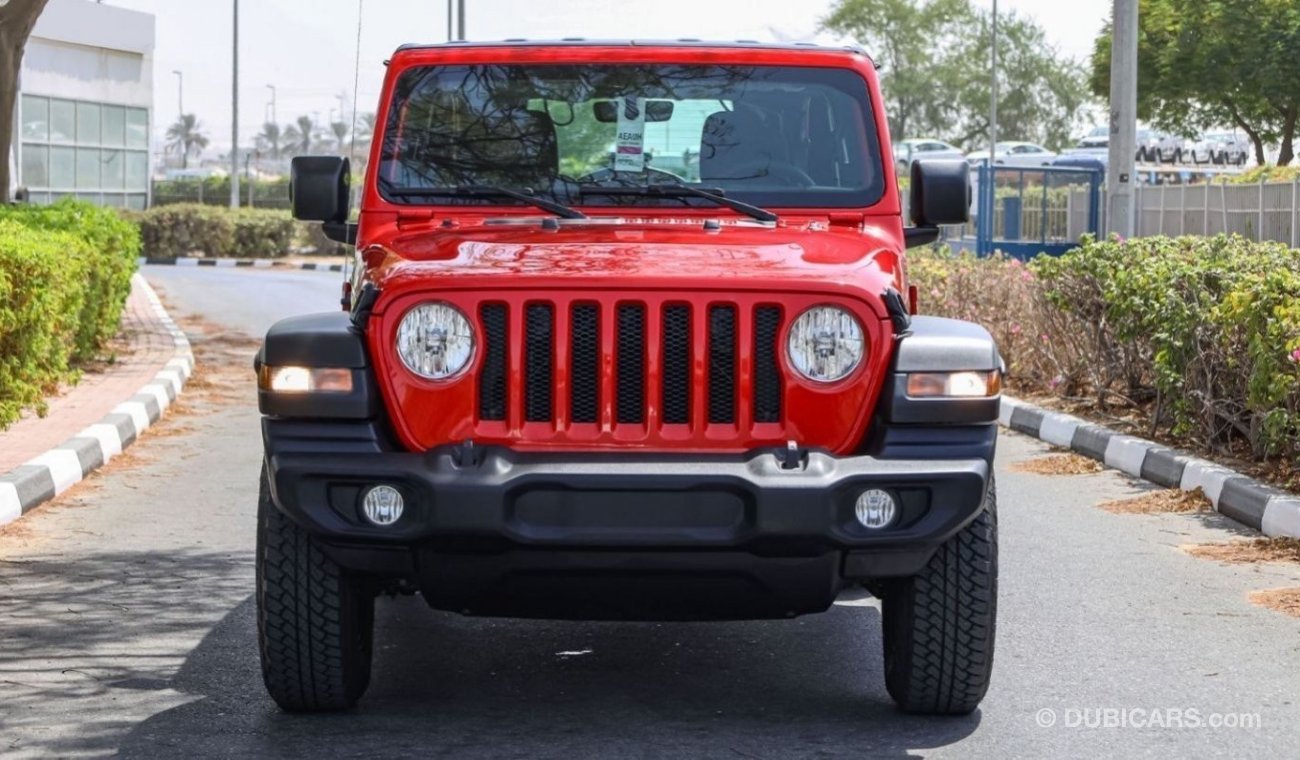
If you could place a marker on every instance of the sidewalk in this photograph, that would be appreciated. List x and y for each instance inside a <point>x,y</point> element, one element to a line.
<point>94,420</point>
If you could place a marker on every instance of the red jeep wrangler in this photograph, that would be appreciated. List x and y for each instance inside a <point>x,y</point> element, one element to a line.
<point>628,339</point>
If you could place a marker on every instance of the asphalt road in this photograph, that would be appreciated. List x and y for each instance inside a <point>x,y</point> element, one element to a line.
<point>127,626</point>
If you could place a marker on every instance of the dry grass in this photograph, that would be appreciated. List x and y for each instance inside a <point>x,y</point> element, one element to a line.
<point>1284,600</point>
<point>1059,464</point>
<point>1251,551</point>
<point>1167,501</point>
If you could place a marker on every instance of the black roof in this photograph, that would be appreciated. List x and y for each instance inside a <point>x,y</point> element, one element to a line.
<point>684,42</point>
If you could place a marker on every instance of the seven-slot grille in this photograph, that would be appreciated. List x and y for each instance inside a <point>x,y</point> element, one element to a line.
<point>672,364</point>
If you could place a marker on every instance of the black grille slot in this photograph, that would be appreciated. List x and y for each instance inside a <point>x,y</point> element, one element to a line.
<point>677,365</point>
<point>584,373</point>
<point>537,363</point>
<point>767,374</point>
<point>722,364</point>
<point>630,380</point>
<point>492,380</point>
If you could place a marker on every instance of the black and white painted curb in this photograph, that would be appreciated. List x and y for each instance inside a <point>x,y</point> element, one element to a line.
<point>1272,511</point>
<point>50,474</point>
<point>189,261</point>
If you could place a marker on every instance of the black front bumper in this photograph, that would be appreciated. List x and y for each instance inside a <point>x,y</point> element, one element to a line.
<point>496,531</point>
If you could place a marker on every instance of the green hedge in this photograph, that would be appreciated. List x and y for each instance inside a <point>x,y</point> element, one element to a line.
<point>1201,335</point>
<point>189,229</point>
<point>65,273</point>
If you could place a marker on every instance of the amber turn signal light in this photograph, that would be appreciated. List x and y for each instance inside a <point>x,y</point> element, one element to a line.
<point>305,380</point>
<point>954,384</point>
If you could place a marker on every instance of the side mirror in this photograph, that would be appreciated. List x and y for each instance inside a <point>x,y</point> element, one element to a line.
<point>319,188</point>
<point>940,192</point>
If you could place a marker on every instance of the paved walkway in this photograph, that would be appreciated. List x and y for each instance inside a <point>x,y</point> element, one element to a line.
<point>149,346</point>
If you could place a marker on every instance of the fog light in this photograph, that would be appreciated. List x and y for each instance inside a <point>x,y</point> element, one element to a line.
<point>876,509</point>
<point>383,505</point>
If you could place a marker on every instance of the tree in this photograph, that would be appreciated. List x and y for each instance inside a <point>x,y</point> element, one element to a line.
<point>340,130</point>
<point>300,137</point>
<point>935,76</point>
<point>186,137</point>
<point>17,17</point>
<point>1207,63</point>
<point>270,139</point>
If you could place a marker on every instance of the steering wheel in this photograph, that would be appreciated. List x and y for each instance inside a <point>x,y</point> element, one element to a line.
<point>606,174</point>
<point>762,168</point>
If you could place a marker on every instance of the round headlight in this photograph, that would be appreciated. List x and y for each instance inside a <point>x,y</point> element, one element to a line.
<point>435,340</point>
<point>826,344</point>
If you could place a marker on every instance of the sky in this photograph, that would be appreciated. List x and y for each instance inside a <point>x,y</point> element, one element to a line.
<point>307,48</point>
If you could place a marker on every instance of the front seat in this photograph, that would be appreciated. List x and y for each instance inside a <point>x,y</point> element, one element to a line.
<point>739,145</point>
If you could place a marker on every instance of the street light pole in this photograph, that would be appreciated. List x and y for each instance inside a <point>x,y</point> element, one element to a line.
<point>451,20</point>
<point>180,92</point>
<point>1123,118</point>
<point>993,75</point>
<point>274,120</point>
<point>460,20</point>
<point>234,114</point>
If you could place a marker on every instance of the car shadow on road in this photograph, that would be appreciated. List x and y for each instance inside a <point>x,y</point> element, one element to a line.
<point>452,686</point>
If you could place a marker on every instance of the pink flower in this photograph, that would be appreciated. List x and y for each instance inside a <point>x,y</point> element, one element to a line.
<point>1044,338</point>
<point>1015,329</point>
<point>1295,356</point>
<point>1057,381</point>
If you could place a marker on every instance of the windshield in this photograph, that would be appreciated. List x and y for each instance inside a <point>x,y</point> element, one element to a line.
<point>771,136</point>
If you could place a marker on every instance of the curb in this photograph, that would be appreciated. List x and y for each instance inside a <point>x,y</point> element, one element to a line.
<point>1270,510</point>
<point>190,261</point>
<point>40,479</point>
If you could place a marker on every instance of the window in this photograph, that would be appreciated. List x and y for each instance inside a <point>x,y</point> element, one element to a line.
<point>63,121</point>
<point>91,151</point>
<point>770,135</point>
<point>36,119</point>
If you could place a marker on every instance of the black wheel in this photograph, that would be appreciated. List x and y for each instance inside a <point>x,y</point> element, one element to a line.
<point>315,621</point>
<point>939,625</point>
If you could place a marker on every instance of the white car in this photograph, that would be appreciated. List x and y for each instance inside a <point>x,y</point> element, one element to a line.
<point>1014,154</point>
<point>1221,148</point>
<point>1163,148</point>
<point>907,151</point>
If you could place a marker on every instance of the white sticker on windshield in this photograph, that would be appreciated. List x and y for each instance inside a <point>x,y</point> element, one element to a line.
<point>629,147</point>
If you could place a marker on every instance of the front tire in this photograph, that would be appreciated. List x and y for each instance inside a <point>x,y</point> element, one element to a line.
<point>939,624</point>
<point>315,620</point>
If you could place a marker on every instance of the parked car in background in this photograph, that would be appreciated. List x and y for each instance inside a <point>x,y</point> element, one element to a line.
<point>1014,154</point>
<point>1095,143</point>
<point>1221,148</point>
<point>1163,148</point>
<point>907,151</point>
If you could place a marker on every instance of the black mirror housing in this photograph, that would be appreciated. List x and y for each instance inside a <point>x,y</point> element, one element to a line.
<point>319,188</point>
<point>941,192</point>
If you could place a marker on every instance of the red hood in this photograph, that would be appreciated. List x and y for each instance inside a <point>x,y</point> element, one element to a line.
<point>860,262</point>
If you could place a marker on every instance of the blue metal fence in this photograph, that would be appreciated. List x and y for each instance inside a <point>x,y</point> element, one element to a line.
<point>1024,212</point>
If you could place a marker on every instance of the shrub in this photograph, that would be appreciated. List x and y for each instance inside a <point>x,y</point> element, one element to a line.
<point>188,229</point>
<point>65,273</point>
<point>185,229</point>
<point>114,246</point>
<point>260,233</point>
<point>1203,334</point>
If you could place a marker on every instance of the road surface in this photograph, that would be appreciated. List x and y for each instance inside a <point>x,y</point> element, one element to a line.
<point>128,627</point>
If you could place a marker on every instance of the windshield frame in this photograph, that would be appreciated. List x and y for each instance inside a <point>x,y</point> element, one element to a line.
<point>878,196</point>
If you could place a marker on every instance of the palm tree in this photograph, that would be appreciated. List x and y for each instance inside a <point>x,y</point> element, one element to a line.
<point>340,130</point>
<point>186,137</point>
<point>271,139</point>
<point>300,137</point>
<point>366,129</point>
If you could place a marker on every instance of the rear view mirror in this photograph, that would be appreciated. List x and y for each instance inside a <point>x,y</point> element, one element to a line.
<point>606,111</point>
<point>319,188</point>
<point>940,192</point>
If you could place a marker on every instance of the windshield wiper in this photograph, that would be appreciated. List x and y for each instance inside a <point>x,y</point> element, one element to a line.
<point>488,191</point>
<point>715,194</point>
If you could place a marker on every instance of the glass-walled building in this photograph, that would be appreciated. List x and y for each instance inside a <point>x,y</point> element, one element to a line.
<point>86,105</point>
